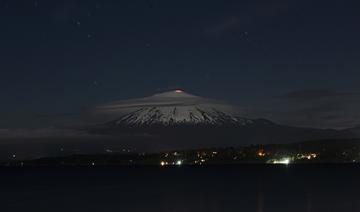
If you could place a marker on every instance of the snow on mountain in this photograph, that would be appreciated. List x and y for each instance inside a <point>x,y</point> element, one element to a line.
<point>179,115</point>
<point>171,108</point>
<point>179,120</point>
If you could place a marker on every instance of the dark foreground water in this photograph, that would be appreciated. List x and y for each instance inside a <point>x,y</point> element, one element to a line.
<point>255,188</point>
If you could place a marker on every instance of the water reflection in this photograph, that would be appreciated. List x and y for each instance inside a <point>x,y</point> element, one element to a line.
<point>231,188</point>
<point>260,197</point>
<point>308,204</point>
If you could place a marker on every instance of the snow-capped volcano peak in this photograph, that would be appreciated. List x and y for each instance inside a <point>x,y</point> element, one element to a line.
<point>175,107</point>
<point>175,115</point>
<point>179,120</point>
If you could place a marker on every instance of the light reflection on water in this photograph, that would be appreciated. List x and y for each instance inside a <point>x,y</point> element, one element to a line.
<point>252,188</point>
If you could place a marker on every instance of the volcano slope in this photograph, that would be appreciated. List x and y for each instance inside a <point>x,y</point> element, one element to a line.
<point>177,119</point>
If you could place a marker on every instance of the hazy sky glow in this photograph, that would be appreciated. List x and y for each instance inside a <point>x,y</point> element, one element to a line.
<point>296,62</point>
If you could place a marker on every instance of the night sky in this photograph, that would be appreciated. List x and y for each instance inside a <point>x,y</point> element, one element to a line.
<point>294,62</point>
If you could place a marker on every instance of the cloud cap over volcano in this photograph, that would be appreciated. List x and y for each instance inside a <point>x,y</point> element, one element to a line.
<point>171,106</point>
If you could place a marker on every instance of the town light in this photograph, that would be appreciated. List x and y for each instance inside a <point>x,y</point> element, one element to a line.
<point>285,161</point>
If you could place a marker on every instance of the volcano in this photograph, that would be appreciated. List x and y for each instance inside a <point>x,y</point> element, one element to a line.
<point>173,108</point>
<point>177,119</point>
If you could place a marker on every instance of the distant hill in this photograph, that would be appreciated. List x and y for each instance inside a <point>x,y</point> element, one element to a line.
<point>321,151</point>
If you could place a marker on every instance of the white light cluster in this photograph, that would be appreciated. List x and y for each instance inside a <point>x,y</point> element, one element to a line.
<point>285,161</point>
<point>165,163</point>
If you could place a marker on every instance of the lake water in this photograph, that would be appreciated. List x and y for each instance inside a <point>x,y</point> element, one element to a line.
<point>256,188</point>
